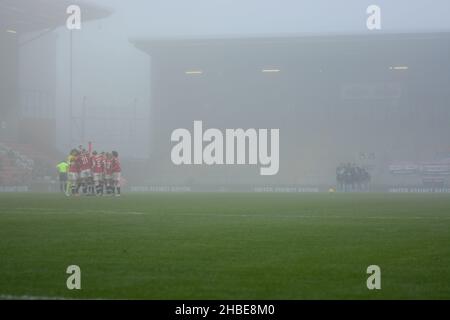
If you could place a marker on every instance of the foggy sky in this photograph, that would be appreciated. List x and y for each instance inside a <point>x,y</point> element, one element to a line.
<point>112,74</point>
<point>249,17</point>
<point>102,49</point>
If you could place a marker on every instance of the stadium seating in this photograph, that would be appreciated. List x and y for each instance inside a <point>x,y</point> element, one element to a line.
<point>21,164</point>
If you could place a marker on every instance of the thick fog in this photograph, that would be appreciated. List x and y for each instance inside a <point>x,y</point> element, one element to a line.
<point>335,91</point>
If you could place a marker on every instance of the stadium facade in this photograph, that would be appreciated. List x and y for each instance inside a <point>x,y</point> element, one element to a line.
<point>28,86</point>
<point>373,99</point>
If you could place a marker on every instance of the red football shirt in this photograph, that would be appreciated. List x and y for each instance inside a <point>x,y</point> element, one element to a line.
<point>116,165</point>
<point>85,161</point>
<point>97,164</point>
<point>108,166</point>
<point>73,166</point>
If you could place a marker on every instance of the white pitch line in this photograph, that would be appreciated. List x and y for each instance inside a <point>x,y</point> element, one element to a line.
<point>28,297</point>
<point>307,217</point>
<point>58,211</point>
<point>292,216</point>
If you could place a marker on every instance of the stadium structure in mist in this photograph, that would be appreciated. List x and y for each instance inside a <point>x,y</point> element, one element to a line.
<point>379,100</point>
<point>28,151</point>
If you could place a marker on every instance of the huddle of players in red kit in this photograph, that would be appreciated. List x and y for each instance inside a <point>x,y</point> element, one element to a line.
<point>92,173</point>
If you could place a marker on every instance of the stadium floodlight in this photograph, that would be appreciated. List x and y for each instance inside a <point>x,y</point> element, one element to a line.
<point>193,72</point>
<point>399,68</point>
<point>11,31</point>
<point>270,70</point>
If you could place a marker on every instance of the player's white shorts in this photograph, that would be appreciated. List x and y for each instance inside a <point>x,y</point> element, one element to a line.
<point>85,173</point>
<point>98,176</point>
<point>72,176</point>
<point>108,177</point>
<point>116,176</point>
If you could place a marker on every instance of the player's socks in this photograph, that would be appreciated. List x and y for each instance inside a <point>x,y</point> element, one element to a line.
<point>118,190</point>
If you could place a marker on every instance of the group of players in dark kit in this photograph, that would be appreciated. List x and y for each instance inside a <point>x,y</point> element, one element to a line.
<point>350,177</point>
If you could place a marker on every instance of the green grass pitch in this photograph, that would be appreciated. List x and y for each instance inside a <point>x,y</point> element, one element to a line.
<point>226,246</point>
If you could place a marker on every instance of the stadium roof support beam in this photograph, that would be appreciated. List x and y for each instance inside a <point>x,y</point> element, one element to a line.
<point>22,16</point>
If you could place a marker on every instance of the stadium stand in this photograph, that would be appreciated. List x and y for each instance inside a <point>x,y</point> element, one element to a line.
<point>23,164</point>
